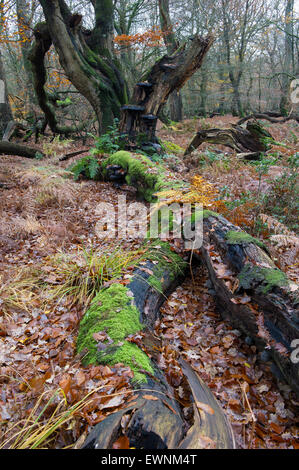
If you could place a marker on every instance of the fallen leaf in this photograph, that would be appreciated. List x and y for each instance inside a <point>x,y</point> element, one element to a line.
<point>121,443</point>
<point>204,407</point>
<point>150,397</point>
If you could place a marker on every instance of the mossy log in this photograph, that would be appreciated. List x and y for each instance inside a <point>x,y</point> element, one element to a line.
<point>253,293</point>
<point>137,171</point>
<point>249,143</point>
<point>11,148</point>
<point>155,417</point>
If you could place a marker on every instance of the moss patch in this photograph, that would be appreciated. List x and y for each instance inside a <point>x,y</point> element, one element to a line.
<point>113,313</point>
<point>172,147</point>
<point>268,278</point>
<point>202,214</point>
<point>240,238</point>
<point>142,173</point>
<point>164,260</point>
<point>130,355</point>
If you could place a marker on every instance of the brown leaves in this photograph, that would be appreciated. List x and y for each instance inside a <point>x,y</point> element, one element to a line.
<point>218,353</point>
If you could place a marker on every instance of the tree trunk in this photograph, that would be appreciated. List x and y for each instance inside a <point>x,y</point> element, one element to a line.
<point>86,56</point>
<point>285,104</point>
<point>171,43</point>
<point>5,111</point>
<point>24,24</point>
<point>176,106</point>
<point>139,119</point>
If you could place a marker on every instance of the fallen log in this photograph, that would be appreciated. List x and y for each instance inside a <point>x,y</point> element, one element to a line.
<point>155,419</point>
<point>270,116</point>
<point>249,142</point>
<point>252,293</point>
<point>11,148</point>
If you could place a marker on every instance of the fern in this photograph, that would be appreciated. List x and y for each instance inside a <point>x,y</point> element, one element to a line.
<point>87,166</point>
<point>110,142</point>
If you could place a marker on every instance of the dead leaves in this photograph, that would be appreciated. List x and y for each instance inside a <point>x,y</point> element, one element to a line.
<point>245,389</point>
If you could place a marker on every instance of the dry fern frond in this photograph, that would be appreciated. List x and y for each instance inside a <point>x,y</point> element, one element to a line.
<point>199,191</point>
<point>285,240</point>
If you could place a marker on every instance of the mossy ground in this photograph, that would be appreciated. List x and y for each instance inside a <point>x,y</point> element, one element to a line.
<point>172,147</point>
<point>112,312</point>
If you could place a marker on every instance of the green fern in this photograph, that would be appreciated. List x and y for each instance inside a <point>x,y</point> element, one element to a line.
<point>87,166</point>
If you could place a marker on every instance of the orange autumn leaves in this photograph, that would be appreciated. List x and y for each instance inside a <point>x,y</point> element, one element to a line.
<point>200,191</point>
<point>151,38</point>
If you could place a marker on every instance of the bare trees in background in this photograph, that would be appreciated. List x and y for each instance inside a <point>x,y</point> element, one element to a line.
<point>249,68</point>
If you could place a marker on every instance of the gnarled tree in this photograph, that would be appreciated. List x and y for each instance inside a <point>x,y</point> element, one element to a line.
<point>90,63</point>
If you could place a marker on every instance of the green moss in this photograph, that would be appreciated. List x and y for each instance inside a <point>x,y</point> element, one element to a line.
<point>268,278</point>
<point>142,173</point>
<point>113,312</point>
<point>201,214</point>
<point>172,147</point>
<point>166,260</point>
<point>239,238</point>
<point>130,355</point>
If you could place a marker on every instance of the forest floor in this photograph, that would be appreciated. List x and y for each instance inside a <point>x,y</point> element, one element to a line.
<point>47,233</point>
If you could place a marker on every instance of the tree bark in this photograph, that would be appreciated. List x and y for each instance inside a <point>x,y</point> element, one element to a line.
<point>253,293</point>
<point>5,110</point>
<point>97,77</point>
<point>167,75</point>
<point>249,142</point>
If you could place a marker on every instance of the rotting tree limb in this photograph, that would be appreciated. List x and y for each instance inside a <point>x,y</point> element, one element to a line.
<point>249,142</point>
<point>271,117</point>
<point>170,73</point>
<point>10,148</point>
<point>259,299</point>
<point>156,422</point>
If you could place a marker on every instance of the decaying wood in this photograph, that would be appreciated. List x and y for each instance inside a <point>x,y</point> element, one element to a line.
<point>11,148</point>
<point>155,418</point>
<point>267,313</point>
<point>216,429</point>
<point>249,142</point>
<point>271,117</point>
<point>139,119</point>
